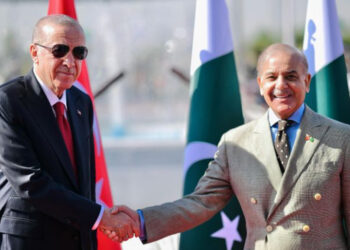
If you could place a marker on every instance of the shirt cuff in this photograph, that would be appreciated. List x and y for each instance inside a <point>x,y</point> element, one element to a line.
<point>99,218</point>
<point>143,235</point>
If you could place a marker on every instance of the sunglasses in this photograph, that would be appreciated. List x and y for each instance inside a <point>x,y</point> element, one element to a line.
<point>60,50</point>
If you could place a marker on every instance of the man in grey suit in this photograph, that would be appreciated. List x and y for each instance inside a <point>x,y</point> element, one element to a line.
<point>290,170</point>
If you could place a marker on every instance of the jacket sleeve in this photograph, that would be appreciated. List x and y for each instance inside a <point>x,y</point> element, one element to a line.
<point>212,193</point>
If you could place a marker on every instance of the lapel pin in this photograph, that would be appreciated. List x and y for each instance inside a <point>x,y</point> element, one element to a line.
<point>309,138</point>
<point>79,112</point>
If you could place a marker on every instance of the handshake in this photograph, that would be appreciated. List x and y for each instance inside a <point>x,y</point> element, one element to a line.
<point>120,223</point>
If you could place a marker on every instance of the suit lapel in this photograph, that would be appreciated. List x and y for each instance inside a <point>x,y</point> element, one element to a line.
<point>40,108</point>
<point>266,152</point>
<point>76,117</point>
<point>303,150</point>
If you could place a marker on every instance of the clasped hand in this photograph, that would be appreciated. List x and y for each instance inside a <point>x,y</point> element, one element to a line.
<point>120,223</point>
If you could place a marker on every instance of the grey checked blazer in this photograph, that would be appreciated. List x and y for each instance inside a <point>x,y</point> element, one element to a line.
<point>301,209</point>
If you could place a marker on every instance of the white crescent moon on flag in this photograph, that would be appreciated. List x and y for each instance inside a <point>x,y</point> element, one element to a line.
<point>197,151</point>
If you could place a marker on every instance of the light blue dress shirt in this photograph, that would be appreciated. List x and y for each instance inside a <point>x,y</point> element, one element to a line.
<point>292,129</point>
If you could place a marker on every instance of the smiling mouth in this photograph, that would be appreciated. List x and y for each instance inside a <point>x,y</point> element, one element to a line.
<point>281,96</point>
<point>66,73</point>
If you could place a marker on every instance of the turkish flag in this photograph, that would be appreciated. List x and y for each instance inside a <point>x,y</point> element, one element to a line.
<point>103,190</point>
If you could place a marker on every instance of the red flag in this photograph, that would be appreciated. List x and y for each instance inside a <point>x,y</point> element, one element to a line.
<point>103,190</point>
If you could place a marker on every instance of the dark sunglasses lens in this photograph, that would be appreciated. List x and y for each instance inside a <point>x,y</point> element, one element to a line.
<point>80,52</point>
<point>60,50</point>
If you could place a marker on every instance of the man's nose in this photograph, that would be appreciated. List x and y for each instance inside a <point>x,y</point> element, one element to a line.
<point>69,60</point>
<point>281,82</point>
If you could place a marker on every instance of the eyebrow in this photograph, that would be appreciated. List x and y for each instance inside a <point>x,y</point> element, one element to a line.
<point>292,71</point>
<point>269,73</point>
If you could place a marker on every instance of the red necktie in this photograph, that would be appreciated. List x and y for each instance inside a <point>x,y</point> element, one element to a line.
<point>66,132</point>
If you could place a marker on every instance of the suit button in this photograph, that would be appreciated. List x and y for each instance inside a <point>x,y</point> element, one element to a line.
<point>253,200</point>
<point>269,228</point>
<point>75,237</point>
<point>318,196</point>
<point>306,228</point>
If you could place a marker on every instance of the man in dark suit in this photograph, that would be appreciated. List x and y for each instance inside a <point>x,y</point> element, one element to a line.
<point>47,170</point>
<point>289,169</point>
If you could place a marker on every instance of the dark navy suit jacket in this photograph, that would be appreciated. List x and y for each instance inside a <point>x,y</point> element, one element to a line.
<point>43,205</point>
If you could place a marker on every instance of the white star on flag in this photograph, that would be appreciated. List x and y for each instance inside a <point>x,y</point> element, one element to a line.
<point>98,190</point>
<point>229,231</point>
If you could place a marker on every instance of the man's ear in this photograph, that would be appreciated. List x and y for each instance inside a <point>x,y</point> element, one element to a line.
<point>307,81</point>
<point>34,53</point>
<point>258,79</point>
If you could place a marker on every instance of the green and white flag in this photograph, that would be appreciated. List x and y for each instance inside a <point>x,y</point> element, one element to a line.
<point>323,47</point>
<point>215,108</point>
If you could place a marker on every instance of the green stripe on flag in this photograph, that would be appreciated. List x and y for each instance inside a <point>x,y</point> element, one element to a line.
<point>310,98</point>
<point>332,91</point>
<point>215,101</point>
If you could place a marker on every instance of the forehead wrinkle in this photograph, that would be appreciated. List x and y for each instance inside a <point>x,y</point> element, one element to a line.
<point>63,34</point>
<point>284,72</point>
<point>269,72</point>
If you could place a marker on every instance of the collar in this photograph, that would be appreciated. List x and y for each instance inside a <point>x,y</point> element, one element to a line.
<point>296,116</point>
<point>50,95</point>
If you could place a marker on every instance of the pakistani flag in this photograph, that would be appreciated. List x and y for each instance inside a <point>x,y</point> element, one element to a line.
<point>323,47</point>
<point>215,108</point>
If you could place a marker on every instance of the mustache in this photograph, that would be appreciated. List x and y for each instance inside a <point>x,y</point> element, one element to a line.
<point>65,69</point>
<point>279,92</point>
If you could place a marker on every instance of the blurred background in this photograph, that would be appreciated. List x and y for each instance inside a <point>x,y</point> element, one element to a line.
<point>146,45</point>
